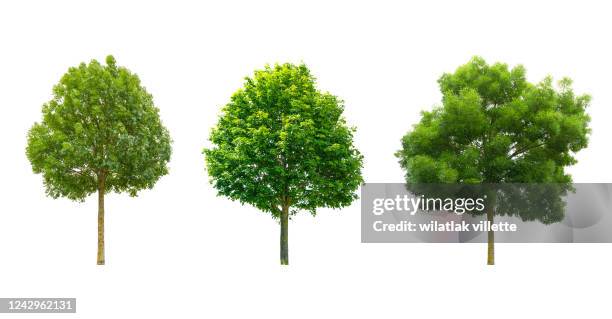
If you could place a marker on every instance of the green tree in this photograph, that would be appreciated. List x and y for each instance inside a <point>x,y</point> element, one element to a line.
<point>283,146</point>
<point>495,127</point>
<point>99,133</point>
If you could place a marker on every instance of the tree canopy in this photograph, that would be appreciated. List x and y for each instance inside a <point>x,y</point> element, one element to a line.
<point>100,122</point>
<point>495,127</point>
<point>280,142</point>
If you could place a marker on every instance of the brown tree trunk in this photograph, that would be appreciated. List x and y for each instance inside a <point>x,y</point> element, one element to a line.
<point>284,236</point>
<point>101,191</point>
<point>490,206</point>
<point>490,238</point>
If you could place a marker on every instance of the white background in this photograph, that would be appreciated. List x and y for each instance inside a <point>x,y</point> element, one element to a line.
<point>178,250</point>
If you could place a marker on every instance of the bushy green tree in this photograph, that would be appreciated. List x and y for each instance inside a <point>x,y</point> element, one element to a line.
<point>495,127</point>
<point>99,133</point>
<point>283,146</point>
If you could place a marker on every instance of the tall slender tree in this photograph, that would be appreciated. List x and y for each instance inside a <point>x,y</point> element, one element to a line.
<point>99,133</point>
<point>495,127</point>
<point>283,146</point>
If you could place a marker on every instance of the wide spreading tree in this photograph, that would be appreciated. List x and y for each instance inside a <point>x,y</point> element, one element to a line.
<point>283,146</point>
<point>99,133</point>
<point>495,127</point>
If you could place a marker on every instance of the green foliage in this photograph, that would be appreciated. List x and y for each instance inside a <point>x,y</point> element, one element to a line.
<point>495,127</point>
<point>100,123</point>
<point>281,143</point>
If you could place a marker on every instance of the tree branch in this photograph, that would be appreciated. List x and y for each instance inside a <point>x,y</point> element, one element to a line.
<point>525,149</point>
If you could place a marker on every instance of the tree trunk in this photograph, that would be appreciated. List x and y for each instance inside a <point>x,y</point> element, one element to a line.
<point>101,191</point>
<point>490,238</point>
<point>284,236</point>
<point>491,202</point>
